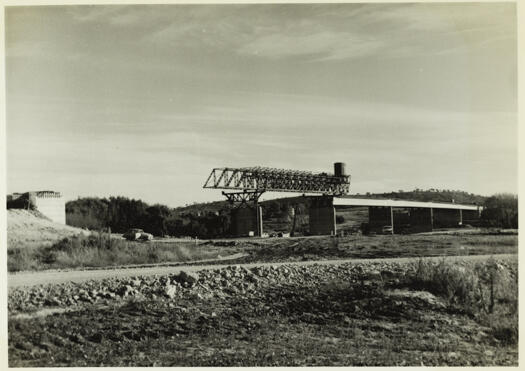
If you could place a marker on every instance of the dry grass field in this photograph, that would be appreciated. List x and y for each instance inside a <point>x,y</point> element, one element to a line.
<point>97,251</point>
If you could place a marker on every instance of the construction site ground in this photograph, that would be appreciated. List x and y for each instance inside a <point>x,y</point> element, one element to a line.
<point>303,301</point>
<point>360,313</point>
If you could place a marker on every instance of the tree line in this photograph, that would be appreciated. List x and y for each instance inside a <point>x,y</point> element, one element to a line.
<point>500,210</point>
<point>213,220</point>
<point>121,213</point>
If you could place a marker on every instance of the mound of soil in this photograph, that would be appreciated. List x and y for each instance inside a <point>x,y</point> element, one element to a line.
<point>28,228</point>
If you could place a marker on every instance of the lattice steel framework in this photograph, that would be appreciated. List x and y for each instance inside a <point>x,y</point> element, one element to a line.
<point>243,197</point>
<point>262,179</point>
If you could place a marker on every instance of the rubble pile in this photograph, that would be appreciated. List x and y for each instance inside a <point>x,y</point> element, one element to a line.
<point>232,280</point>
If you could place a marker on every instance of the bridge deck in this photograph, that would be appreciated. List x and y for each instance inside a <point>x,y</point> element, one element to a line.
<point>349,201</point>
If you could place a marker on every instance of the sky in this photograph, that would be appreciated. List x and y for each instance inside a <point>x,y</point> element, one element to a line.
<point>143,101</point>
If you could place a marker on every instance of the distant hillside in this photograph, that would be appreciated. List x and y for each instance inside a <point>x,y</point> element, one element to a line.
<point>212,219</point>
<point>277,205</point>
<point>202,208</point>
<point>434,195</point>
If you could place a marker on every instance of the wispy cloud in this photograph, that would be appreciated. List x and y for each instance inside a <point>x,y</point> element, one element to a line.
<point>322,45</point>
<point>309,31</point>
<point>385,31</point>
<point>403,92</point>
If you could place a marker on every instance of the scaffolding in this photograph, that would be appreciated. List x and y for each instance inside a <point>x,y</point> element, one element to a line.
<point>262,179</point>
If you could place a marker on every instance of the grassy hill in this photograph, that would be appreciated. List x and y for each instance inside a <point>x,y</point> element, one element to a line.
<point>432,194</point>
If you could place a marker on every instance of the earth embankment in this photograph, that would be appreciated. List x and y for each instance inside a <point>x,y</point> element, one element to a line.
<point>28,228</point>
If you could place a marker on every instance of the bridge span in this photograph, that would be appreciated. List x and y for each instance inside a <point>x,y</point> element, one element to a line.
<point>377,202</point>
<point>243,187</point>
<point>394,216</point>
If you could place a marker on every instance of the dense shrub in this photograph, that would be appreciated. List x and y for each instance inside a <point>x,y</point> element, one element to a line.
<point>500,210</point>
<point>488,291</point>
<point>120,214</point>
<point>472,289</point>
<point>446,280</point>
<point>26,201</point>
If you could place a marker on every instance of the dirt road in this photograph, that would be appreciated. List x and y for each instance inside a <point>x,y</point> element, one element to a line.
<point>48,277</point>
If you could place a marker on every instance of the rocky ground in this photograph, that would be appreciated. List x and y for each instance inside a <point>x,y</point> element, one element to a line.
<point>348,314</point>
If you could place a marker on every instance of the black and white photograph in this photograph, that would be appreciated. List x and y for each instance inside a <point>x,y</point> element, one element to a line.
<point>261,184</point>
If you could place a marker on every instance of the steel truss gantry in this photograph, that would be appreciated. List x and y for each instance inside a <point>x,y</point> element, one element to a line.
<point>262,179</point>
<point>243,197</point>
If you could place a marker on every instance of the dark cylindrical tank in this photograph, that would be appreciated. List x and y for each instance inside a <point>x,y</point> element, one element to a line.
<point>339,169</point>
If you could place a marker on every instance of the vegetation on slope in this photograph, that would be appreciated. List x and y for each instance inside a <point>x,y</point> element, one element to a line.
<point>435,195</point>
<point>100,250</point>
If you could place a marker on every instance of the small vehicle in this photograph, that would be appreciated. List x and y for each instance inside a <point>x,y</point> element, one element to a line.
<point>145,237</point>
<point>136,234</point>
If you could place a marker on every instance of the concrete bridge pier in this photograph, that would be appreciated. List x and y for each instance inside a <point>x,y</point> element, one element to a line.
<point>379,217</point>
<point>471,217</point>
<point>447,218</point>
<point>421,220</point>
<point>322,216</point>
<point>246,219</point>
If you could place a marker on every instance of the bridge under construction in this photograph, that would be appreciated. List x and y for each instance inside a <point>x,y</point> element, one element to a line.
<point>327,192</point>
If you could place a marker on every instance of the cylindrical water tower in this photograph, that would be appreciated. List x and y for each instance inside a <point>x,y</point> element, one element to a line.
<point>339,169</point>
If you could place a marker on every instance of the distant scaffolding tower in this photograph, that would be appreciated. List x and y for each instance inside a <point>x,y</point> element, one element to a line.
<point>252,182</point>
